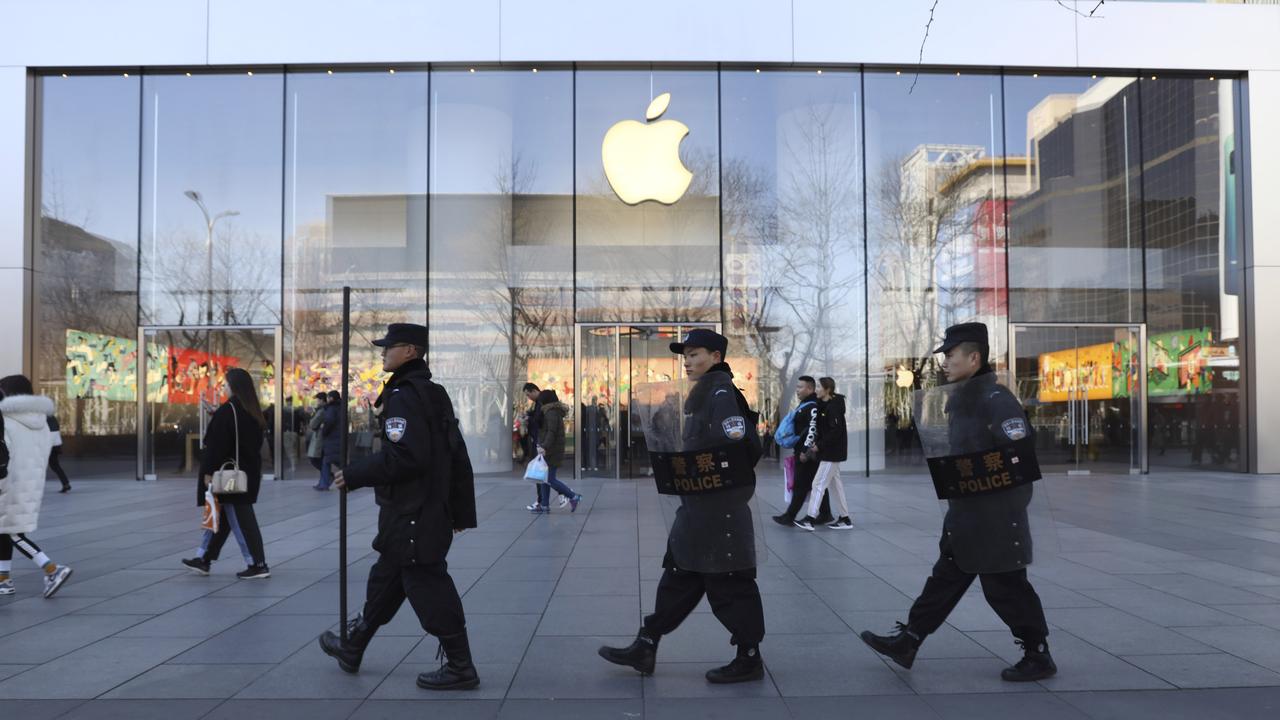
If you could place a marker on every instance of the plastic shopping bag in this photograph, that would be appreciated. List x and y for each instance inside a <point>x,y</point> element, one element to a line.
<point>789,478</point>
<point>209,521</point>
<point>536,470</point>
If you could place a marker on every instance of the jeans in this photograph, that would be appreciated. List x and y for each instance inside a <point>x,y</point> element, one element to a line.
<point>326,474</point>
<point>229,517</point>
<point>544,489</point>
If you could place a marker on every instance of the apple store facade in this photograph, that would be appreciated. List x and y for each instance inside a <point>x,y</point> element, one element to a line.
<point>560,223</point>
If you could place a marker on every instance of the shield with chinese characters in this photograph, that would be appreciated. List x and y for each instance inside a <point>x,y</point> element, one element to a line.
<point>981,453</point>
<point>700,448</point>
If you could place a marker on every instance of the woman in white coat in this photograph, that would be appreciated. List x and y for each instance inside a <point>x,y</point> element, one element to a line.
<point>27,435</point>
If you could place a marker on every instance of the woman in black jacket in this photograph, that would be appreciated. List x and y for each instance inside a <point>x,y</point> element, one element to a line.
<point>833,448</point>
<point>243,413</point>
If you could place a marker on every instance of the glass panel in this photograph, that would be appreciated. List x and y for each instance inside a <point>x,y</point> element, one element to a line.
<point>793,238</point>
<point>1075,228</point>
<point>356,213</point>
<point>185,373</point>
<point>647,358</point>
<point>211,173</point>
<point>598,400</point>
<point>1195,279</point>
<point>501,247</point>
<point>647,261</point>
<point>1043,369</point>
<point>1110,399</point>
<point>935,190</point>
<point>86,310</point>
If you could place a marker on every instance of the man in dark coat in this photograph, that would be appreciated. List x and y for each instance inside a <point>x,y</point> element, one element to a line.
<point>330,439</point>
<point>985,536</point>
<point>424,496</point>
<point>711,548</point>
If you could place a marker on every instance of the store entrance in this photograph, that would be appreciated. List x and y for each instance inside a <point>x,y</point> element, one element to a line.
<point>1085,390</point>
<point>611,359</point>
<point>182,372</point>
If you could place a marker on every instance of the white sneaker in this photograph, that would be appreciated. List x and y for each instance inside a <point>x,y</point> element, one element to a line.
<point>55,581</point>
<point>564,501</point>
<point>6,587</point>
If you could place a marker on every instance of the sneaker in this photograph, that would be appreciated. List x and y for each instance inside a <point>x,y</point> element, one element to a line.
<point>564,500</point>
<point>54,580</point>
<point>844,523</point>
<point>6,587</point>
<point>574,502</point>
<point>804,524</point>
<point>536,508</point>
<point>198,565</point>
<point>254,572</point>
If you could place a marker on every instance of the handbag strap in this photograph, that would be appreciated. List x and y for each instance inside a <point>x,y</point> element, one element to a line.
<point>235,418</point>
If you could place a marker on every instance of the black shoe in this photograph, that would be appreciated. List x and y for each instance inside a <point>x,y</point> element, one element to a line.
<point>457,672</point>
<point>65,489</point>
<point>900,647</point>
<point>745,667</point>
<point>350,653</point>
<point>783,519</point>
<point>254,572</point>
<point>1036,664</point>
<point>640,655</point>
<point>198,564</point>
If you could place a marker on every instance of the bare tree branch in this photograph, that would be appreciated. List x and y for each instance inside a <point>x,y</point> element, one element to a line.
<point>922,42</point>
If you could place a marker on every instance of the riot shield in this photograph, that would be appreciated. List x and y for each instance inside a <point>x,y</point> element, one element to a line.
<point>698,444</point>
<point>981,453</point>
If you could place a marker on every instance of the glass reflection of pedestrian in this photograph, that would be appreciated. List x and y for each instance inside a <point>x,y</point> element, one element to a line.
<point>315,441</point>
<point>331,442</point>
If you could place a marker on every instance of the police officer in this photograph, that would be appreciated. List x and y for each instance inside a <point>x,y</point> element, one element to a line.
<point>986,537</point>
<point>417,516</point>
<point>711,547</point>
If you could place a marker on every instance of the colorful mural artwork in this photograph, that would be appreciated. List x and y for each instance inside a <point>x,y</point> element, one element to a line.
<point>1177,364</point>
<point>101,366</point>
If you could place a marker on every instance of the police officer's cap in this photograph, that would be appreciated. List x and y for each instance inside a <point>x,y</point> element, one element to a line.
<point>403,334</point>
<point>702,338</point>
<point>974,332</point>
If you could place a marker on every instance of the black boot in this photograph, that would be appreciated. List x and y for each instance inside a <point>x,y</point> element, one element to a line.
<point>456,672</point>
<point>349,653</point>
<point>641,654</point>
<point>1036,664</point>
<point>746,666</point>
<point>900,647</point>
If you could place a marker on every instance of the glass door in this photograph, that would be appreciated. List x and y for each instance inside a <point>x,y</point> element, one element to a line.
<point>1084,387</point>
<point>183,373</point>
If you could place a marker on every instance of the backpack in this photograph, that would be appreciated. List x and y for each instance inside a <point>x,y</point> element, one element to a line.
<point>786,436</point>
<point>754,448</point>
<point>447,442</point>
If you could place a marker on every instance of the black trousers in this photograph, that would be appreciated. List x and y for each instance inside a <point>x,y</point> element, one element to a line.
<point>734,599</point>
<point>243,518</point>
<point>428,588</point>
<point>56,466</point>
<point>1010,594</point>
<point>805,473</point>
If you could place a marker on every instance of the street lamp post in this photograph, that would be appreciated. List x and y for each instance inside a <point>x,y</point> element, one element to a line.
<point>209,222</point>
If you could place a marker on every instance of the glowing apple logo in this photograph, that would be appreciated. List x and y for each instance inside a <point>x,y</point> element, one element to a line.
<point>642,160</point>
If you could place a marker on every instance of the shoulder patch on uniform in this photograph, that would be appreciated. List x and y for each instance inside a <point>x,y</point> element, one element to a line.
<point>1015,428</point>
<point>735,428</point>
<point>395,428</point>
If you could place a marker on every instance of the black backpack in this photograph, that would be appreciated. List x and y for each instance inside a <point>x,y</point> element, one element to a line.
<point>449,452</point>
<point>755,449</point>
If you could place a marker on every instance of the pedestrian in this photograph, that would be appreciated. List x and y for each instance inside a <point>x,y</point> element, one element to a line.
<point>551,448</point>
<point>315,441</point>
<point>711,549</point>
<point>425,492</point>
<point>331,440</point>
<point>54,464</point>
<point>985,537</point>
<point>25,428</point>
<point>805,424</point>
<point>234,435</point>
<point>832,446</point>
<point>533,423</point>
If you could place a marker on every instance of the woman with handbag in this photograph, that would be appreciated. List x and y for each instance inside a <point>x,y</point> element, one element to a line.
<point>231,466</point>
<point>26,435</point>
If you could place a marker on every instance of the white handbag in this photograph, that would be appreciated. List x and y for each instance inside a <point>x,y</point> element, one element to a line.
<point>230,479</point>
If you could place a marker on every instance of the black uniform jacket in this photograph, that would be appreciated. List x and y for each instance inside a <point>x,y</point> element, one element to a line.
<point>414,525</point>
<point>220,448</point>
<point>988,533</point>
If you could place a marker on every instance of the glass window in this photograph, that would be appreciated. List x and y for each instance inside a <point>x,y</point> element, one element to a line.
<point>1191,200</point>
<point>356,214</point>
<point>791,176</point>
<point>935,192</point>
<point>501,247</point>
<point>211,199</point>
<point>648,229</point>
<point>1075,226</point>
<point>86,321</point>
